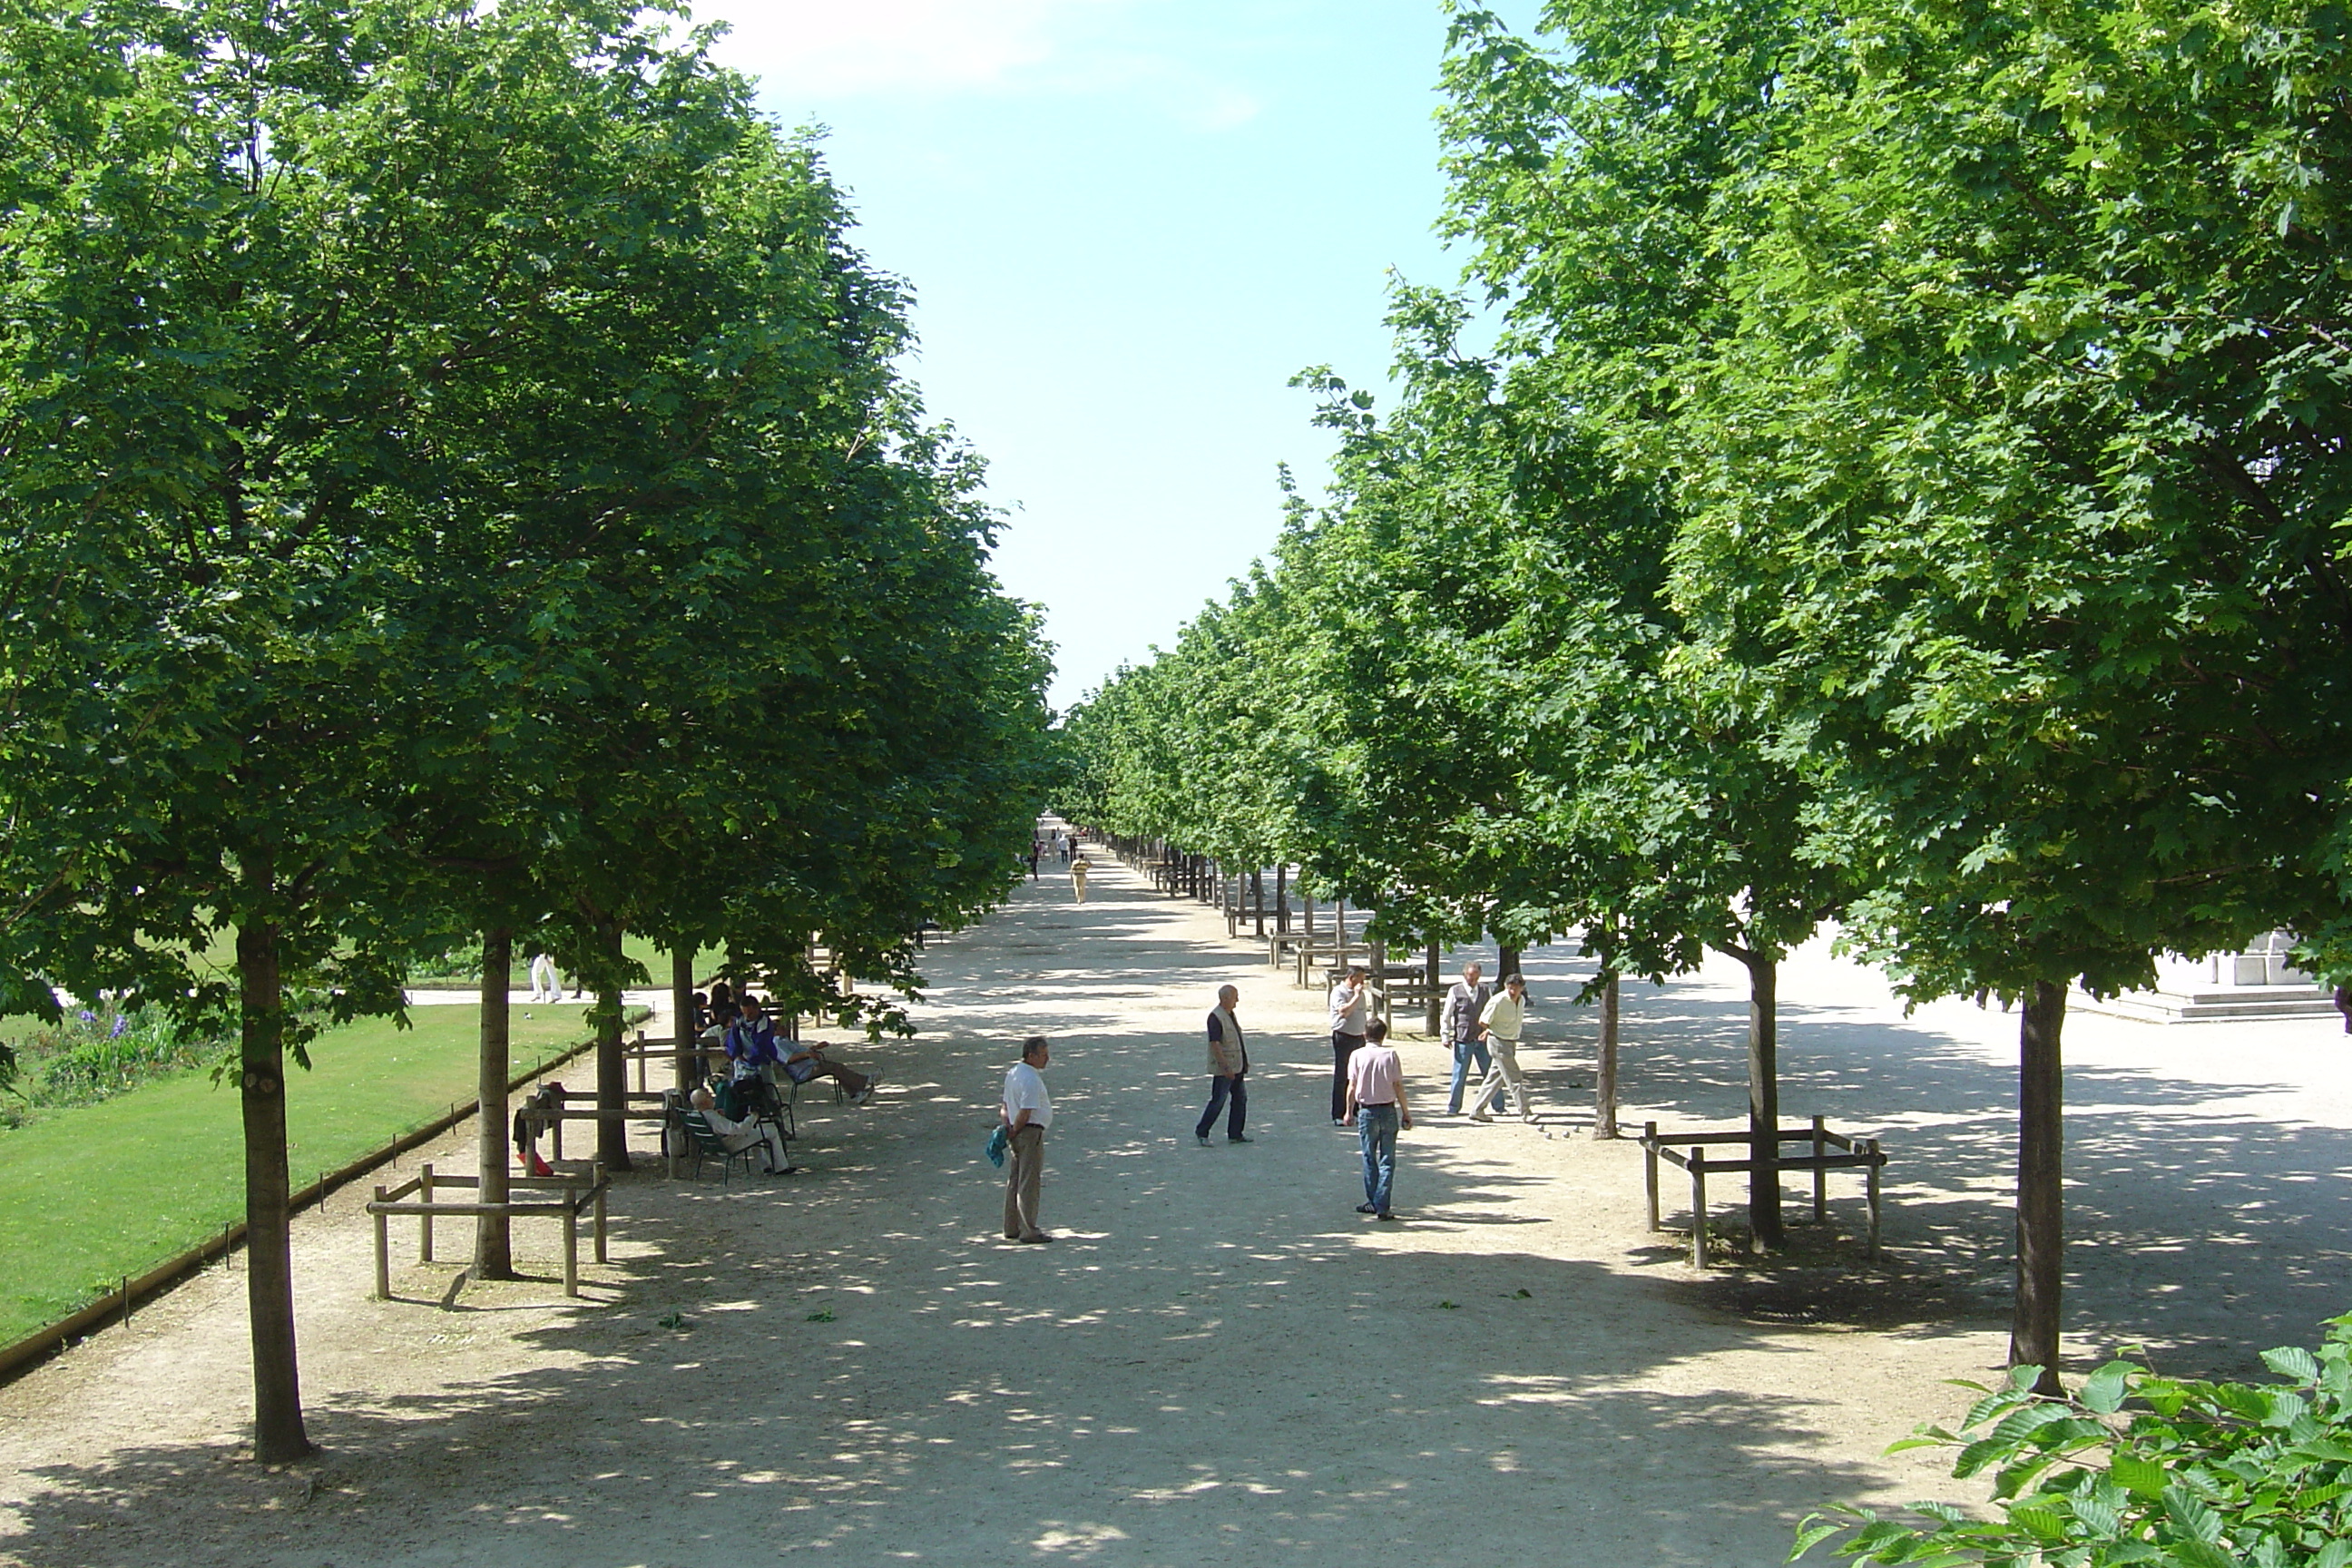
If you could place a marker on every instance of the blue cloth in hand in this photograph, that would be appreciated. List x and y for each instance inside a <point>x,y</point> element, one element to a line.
<point>997,1140</point>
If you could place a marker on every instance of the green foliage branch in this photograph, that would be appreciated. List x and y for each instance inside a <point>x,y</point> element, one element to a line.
<point>2134,1467</point>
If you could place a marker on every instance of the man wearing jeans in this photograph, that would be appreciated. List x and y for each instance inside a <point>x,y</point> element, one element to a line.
<point>1228,1072</point>
<point>1376,1105</point>
<point>1028,1110</point>
<point>1464,1001</point>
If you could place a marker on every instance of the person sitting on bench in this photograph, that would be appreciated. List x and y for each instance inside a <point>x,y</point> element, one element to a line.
<point>738,1135</point>
<point>753,1046</point>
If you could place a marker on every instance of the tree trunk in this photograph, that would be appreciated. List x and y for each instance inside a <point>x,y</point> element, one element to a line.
<point>1507,964</point>
<point>493,1233</point>
<point>1257,900</point>
<point>2041,1197</point>
<point>1604,1080</point>
<point>1763,1103</point>
<point>1432,1018</point>
<point>277,1433</point>
<point>682,1006</point>
<point>612,1068</point>
<point>1282,908</point>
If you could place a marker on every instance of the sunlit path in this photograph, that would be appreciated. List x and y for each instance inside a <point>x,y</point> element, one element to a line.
<point>1217,1361</point>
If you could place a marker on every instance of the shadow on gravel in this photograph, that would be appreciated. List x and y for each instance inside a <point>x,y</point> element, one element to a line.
<point>2254,1210</point>
<point>1211,1366</point>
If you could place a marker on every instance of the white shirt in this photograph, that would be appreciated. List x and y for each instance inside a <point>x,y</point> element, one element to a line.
<point>1502,1016</point>
<point>1351,1008</point>
<point>1024,1089</point>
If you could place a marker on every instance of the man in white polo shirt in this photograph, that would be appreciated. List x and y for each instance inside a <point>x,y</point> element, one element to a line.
<point>1028,1111</point>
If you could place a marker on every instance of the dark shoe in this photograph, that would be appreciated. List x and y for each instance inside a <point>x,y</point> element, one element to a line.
<point>1237,1138</point>
<point>1366,1209</point>
<point>1037,1241</point>
<point>1384,1215</point>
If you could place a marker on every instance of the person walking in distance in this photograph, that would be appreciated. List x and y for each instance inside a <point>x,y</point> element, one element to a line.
<point>1036,852</point>
<point>1499,1025</point>
<point>1078,869</point>
<point>1028,1111</point>
<point>1464,1001</point>
<point>1228,1072</point>
<point>1352,1004</point>
<point>1376,1104</point>
<point>546,985</point>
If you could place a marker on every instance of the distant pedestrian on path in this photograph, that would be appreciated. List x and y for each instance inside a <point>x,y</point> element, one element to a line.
<point>1228,1072</point>
<point>546,985</point>
<point>1499,1024</point>
<point>1027,1111</point>
<point>1352,1004</point>
<point>1464,1001</point>
<point>1078,869</point>
<point>1376,1104</point>
<point>1036,852</point>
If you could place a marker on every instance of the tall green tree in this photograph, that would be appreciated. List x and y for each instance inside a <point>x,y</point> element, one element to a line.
<point>2020,487</point>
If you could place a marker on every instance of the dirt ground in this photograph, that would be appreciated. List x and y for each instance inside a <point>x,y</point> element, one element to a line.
<point>1219,1362</point>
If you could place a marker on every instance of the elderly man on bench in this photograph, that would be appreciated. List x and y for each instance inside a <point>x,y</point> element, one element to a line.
<point>754,1048</point>
<point>741,1135</point>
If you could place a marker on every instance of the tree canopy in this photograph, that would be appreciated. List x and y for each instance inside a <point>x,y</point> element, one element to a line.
<point>458,477</point>
<point>1903,488</point>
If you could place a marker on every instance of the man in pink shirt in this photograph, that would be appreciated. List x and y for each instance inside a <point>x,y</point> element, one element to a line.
<point>1376,1106</point>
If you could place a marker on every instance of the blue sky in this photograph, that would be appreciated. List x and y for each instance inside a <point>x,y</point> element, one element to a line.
<point>1127,223</point>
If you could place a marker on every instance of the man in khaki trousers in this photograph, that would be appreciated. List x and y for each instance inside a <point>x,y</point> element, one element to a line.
<point>1027,1111</point>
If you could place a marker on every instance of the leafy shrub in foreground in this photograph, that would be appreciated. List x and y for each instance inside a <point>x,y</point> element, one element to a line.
<point>2136,1468</point>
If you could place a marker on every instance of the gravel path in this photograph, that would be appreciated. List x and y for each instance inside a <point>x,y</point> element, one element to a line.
<point>1219,1362</point>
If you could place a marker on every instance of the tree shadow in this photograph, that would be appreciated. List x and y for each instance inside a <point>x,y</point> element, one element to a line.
<point>2203,1225</point>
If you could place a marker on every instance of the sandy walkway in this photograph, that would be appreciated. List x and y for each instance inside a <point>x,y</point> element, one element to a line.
<point>1220,1363</point>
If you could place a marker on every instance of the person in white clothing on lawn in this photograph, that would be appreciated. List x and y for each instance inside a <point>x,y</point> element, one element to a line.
<point>546,985</point>
<point>1499,1026</point>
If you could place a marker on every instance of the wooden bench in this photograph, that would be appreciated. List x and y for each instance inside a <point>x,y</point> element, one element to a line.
<point>579,1193</point>
<point>1863,1153</point>
<point>1281,945</point>
<point>1332,957</point>
<point>542,1114</point>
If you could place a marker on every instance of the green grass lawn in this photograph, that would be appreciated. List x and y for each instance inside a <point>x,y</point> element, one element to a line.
<point>91,1194</point>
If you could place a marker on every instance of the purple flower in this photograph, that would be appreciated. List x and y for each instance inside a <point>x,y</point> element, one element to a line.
<point>87,1017</point>
<point>121,1028</point>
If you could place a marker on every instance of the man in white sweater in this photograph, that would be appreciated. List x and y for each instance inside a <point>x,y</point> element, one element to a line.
<point>1499,1026</point>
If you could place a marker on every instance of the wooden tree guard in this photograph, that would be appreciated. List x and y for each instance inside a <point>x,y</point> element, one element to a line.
<point>1863,1153</point>
<point>579,1194</point>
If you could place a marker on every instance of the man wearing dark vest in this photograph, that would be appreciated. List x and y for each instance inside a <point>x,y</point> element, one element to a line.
<point>1228,1067</point>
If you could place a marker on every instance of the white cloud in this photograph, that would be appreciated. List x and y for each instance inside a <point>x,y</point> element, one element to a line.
<point>806,52</point>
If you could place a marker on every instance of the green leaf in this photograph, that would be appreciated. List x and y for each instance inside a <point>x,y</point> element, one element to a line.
<point>2139,1476</point>
<point>1810,1534</point>
<point>2294,1361</point>
<point>2200,1555</point>
<point>2104,1390</point>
